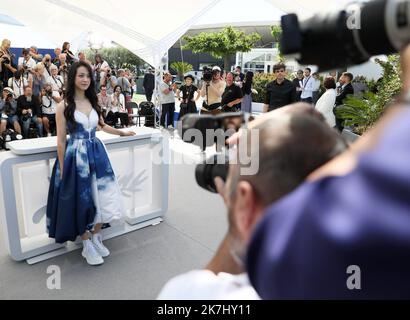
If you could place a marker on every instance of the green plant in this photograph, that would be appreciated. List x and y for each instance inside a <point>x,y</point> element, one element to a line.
<point>276,32</point>
<point>260,80</point>
<point>222,44</point>
<point>181,68</point>
<point>363,113</point>
<point>117,57</point>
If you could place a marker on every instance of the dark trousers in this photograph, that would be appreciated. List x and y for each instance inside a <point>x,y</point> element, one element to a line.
<point>168,110</point>
<point>307,100</point>
<point>339,124</point>
<point>148,94</point>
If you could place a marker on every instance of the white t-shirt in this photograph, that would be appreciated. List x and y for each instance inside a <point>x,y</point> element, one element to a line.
<point>30,63</point>
<point>49,105</point>
<point>57,83</point>
<point>206,285</point>
<point>166,97</point>
<point>103,65</point>
<point>18,86</point>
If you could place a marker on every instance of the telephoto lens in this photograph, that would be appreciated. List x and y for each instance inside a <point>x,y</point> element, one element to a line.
<point>206,172</point>
<point>347,37</point>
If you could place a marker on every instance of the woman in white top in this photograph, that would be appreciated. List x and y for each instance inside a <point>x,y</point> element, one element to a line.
<point>57,82</point>
<point>118,108</point>
<point>327,101</point>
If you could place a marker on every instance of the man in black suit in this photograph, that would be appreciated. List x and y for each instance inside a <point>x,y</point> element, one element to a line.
<point>149,84</point>
<point>345,88</point>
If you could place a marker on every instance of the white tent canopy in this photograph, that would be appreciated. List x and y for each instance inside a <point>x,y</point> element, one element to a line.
<point>147,29</point>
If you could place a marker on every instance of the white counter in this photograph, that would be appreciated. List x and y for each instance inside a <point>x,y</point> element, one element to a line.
<point>140,164</point>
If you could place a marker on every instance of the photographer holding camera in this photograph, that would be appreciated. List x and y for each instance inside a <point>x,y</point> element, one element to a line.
<point>26,63</point>
<point>28,109</point>
<point>232,96</point>
<point>303,142</point>
<point>57,81</point>
<point>7,66</point>
<point>49,101</point>
<point>8,107</point>
<point>167,91</point>
<point>109,80</point>
<point>212,90</point>
<point>18,83</point>
<point>63,67</point>
<point>47,64</point>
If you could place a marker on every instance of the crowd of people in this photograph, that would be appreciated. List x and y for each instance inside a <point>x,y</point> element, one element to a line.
<point>33,85</point>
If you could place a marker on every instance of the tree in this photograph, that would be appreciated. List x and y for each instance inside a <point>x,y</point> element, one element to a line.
<point>117,57</point>
<point>222,44</point>
<point>276,32</point>
<point>181,68</point>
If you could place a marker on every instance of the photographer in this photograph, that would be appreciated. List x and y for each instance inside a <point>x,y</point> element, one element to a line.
<point>35,55</point>
<point>63,67</point>
<point>9,111</point>
<point>109,80</point>
<point>188,100</point>
<point>47,64</point>
<point>232,96</point>
<point>167,97</point>
<point>7,66</point>
<point>28,110</point>
<point>26,63</point>
<point>57,52</point>
<point>298,131</point>
<point>18,83</point>
<point>49,101</point>
<point>149,84</point>
<point>212,89</point>
<point>354,211</point>
<point>100,68</point>
<point>125,85</point>
<point>57,82</point>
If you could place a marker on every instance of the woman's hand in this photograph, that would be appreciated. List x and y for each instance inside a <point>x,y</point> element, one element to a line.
<point>127,133</point>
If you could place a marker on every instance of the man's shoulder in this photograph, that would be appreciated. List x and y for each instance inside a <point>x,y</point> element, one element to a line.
<point>204,284</point>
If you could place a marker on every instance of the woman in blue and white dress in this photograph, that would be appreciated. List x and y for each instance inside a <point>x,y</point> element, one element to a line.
<point>83,193</point>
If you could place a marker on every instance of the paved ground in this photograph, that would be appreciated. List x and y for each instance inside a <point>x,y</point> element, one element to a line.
<point>141,261</point>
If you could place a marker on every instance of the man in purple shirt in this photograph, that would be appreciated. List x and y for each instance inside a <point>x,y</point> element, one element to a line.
<point>345,234</point>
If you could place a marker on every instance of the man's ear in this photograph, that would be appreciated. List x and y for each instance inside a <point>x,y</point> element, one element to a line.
<point>246,209</point>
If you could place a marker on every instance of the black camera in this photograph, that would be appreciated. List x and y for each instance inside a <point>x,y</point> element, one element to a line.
<point>207,74</point>
<point>210,129</point>
<point>206,172</point>
<point>6,60</point>
<point>347,37</point>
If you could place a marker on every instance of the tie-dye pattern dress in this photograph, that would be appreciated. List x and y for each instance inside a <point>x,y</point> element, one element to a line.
<point>88,192</point>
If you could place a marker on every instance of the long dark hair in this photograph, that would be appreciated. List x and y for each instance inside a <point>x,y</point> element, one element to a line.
<point>90,93</point>
<point>247,85</point>
<point>65,44</point>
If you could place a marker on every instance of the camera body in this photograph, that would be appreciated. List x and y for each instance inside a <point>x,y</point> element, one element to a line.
<point>6,60</point>
<point>207,74</point>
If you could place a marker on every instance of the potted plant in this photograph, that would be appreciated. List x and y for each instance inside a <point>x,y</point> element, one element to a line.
<point>361,113</point>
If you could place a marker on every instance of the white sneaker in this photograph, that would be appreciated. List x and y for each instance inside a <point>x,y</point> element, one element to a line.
<point>101,249</point>
<point>90,254</point>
